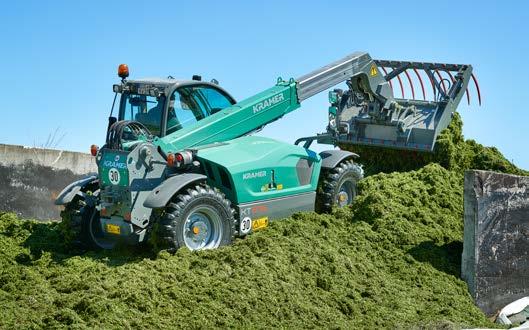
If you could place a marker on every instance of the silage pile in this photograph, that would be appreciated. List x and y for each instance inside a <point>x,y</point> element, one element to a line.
<point>391,260</point>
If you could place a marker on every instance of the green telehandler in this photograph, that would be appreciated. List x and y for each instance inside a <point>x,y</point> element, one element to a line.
<point>180,164</point>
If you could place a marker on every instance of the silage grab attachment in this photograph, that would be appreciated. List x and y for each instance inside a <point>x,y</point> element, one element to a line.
<point>429,95</point>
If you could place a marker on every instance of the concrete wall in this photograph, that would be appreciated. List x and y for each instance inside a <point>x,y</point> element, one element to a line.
<point>76,162</point>
<point>31,178</point>
<point>495,261</point>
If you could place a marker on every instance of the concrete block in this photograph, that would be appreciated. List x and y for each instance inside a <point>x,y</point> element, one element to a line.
<point>495,261</point>
<point>31,178</point>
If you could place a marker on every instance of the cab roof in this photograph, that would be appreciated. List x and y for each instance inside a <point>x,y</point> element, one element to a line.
<point>170,84</point>
<point>166,82</point>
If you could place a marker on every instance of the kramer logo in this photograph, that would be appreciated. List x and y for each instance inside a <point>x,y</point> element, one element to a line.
<point>253,175</point>
<point>268,103</point>
<point>109,163</point>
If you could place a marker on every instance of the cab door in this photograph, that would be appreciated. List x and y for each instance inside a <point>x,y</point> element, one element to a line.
<point>189,104</point>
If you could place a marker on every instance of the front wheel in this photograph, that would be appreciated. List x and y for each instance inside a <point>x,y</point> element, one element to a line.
<point>81,225</point>
<point>198,219</point>
<point>338,186</point>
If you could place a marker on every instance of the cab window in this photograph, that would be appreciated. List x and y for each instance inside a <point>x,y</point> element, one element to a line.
<point>144,109</point>
<point>184,110</point>
<point>214,99</point>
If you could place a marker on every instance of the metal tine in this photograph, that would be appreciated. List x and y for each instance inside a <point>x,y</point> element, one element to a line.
<point>410,81</point>
<point>477,87</point>
<point>401,86</point>
<point>411,84</point>
<point>422,85</point>
<point>434,89</point>
<point>439,84</point>
<point>441,81</point>
<point>400,82</point>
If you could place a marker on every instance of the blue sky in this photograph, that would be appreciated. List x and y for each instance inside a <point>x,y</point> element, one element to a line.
<point>58,59</point>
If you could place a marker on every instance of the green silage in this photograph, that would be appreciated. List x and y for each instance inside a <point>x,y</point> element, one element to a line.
<point>391,260</point>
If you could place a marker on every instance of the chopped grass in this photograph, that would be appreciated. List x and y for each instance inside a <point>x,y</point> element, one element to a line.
<point>392,260</point>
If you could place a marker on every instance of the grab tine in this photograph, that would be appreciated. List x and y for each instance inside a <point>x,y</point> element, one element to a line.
<point>411,84</point>
<point>401,86</point>
<point>451,76</point>
<point>422,85</point>
<point>441,80</point>
<point>477,88</point>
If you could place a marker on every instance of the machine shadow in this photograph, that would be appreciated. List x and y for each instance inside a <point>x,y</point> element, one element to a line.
<point>445,258</point>
<point>46,238</point>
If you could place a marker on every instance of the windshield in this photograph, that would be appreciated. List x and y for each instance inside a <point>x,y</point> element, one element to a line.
<point>186,106</point>
<point>144,109</point>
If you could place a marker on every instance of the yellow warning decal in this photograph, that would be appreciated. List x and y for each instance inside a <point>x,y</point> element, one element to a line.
<point>259,223</point>
<point>374,71</point>
<point>113,229</point>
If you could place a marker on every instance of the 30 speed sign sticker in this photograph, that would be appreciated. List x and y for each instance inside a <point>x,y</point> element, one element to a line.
<point>245,226</point>
<point>113,176</point>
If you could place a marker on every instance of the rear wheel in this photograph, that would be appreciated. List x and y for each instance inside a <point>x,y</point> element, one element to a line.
<point>338,186</point>
<point>81,224</point>
<point>200,218</point>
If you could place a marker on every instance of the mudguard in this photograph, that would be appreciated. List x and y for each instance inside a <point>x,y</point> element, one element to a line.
<point>161,195</point>
<point>68,193</point>
<point>331,158</point>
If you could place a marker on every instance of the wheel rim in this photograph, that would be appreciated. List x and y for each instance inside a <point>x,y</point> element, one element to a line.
<point>346,193</point>
<point>96,233</point>
<point>202,228</point>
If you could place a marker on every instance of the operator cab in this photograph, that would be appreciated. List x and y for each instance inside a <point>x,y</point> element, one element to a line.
<point>165,106</point>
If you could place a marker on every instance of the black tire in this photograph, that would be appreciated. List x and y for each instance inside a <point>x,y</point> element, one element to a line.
<point>338,183</point>
<point>81,225</point>
<point>199,207</point>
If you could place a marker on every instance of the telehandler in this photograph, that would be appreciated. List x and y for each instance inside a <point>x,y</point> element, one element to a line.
<point>180,163</point>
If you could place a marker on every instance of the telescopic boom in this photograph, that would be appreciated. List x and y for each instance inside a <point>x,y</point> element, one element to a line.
<point>367,113</point>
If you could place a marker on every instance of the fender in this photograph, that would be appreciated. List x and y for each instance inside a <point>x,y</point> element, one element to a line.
<point>68,193</point>
<point>161,195</point>
<point>331,158</point>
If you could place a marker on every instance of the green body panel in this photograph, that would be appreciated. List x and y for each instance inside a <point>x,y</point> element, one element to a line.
<point>260,168</point>
<point>237,120</point>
